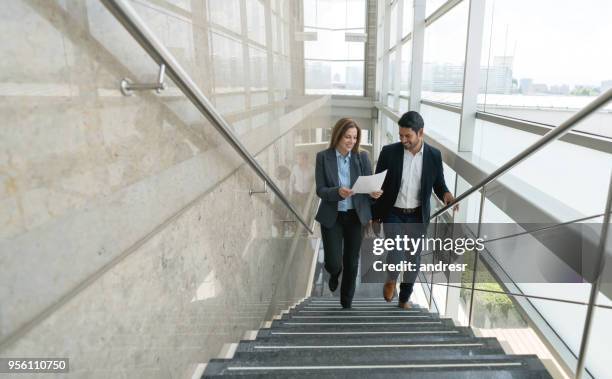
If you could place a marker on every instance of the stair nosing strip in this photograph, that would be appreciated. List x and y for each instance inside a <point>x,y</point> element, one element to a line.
<point>369,346</point>
<point>380,332</point>
<point>371,311</point>
<point>363,323</point>
<point>421,365</point>
<point>364,316</point>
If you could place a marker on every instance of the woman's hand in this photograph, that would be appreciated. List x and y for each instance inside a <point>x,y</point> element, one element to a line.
<point>344,192</point>
<point>376,194</point>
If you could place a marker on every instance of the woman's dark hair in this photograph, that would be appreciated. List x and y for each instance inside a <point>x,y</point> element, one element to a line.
<point>340,129</point>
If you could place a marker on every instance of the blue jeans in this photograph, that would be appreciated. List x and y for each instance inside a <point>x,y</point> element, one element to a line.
<point>411,225</point>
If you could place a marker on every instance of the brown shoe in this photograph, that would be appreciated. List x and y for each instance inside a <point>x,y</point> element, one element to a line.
<point>389,290</point>
<point>405,305</point>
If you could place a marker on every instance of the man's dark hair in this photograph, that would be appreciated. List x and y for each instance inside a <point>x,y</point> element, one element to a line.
<point>412,120</point>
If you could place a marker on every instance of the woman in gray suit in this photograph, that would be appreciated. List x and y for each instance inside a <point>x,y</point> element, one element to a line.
<point>342,213</point>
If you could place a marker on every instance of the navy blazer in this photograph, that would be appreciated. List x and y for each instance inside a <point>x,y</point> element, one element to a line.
<point>327,180</point>
<point>432,178</point>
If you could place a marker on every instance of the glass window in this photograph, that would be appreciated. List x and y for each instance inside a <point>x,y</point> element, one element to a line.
<point>432,5</point>
<point>391,131</point>
<point>228,63</point>
<point>256,21</point>
<point>331,45</point>
<point>407,17</point>
<point>391,82</point>
<point>442,124</point>
<point>444,56</point>
<point>403,105</point>
<point>335,14</point>
<point>405,65</point>
<point>276,31</point>
<point>259,68</point>
<point>557,170</point>
<point>522,79</point>
<point>258,99</point>
<point>282,73</point>
<point>230,103</point>
<point>225,13</point>
<point>391,101</point>
<point>338,78</point>
<point>393,25</point>
<point>332,64</point>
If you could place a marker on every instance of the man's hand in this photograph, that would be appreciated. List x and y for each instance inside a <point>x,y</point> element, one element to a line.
<point>376,194</point>
<point>344,192</point>
<point>449,198</point>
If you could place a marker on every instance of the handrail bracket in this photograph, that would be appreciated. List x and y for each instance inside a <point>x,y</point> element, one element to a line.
<point>128,87</point>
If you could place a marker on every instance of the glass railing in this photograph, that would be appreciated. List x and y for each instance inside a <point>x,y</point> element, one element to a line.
<point>541,284</point>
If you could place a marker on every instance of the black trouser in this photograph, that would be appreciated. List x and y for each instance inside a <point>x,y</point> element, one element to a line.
<point>398,224</point>
<point>341,245</point>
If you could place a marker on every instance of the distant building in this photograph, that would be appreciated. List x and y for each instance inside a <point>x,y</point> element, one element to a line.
<point>606,85</point>
<point>539,88</point>
<point>318,75</point>
<point>354,77</point>
<point>560,89</point>
<point>498,77</point>
<point>442,77</point>
<point>525,86</point>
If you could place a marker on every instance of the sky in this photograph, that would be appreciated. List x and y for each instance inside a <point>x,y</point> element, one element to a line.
<point>553,42</point>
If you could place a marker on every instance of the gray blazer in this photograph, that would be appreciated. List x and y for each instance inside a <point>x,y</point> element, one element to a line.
<point>326,177</point>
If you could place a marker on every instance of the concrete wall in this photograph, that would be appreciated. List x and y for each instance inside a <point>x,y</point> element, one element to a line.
<point>128,239</point>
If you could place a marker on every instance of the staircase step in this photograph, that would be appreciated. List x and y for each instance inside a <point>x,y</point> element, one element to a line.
<point>485,367</point>
<point>359,326</point>
<point>355,303</point>
<point>322,332</point>
<point>373,339</point>
<point>359,310</point>
<point>373,355</point>
<point>459,335</point>
<point>366,330</point>
<point>394,317</point>
<point>370,343</point>
<point>334,353</point>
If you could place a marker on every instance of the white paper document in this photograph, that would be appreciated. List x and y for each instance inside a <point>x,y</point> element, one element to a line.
<point>369,184</point>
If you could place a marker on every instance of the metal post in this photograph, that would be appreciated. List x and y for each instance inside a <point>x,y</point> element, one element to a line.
<point>418,48</point>
<point>595,286</point>
<point>431,284</point>
<point>476,254</point>
<point>471,75</point>
<point>265,189</point>
<point>452,235</point>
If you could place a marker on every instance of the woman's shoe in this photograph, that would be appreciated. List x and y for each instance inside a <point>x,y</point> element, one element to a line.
<point>333,282</point>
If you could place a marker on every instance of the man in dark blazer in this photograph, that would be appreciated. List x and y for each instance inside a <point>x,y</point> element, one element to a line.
<point>414,171</point>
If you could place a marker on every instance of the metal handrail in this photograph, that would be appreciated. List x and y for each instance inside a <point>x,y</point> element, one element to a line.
<point>128,17</point>
<point>549,137</point>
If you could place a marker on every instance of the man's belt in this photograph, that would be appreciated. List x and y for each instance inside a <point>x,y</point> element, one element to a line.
<point>407,211</point>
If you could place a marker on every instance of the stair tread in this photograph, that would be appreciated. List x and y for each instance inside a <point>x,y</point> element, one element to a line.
<point>380,342</point>
<point>355,355</point>
<point>482,367</point>
<point>365,360</point>
<point>368,331</point>
<point>462,336</point>
<point>373,339</point>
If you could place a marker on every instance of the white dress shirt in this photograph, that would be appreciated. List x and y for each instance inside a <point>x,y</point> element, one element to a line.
<point>409,195</point>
